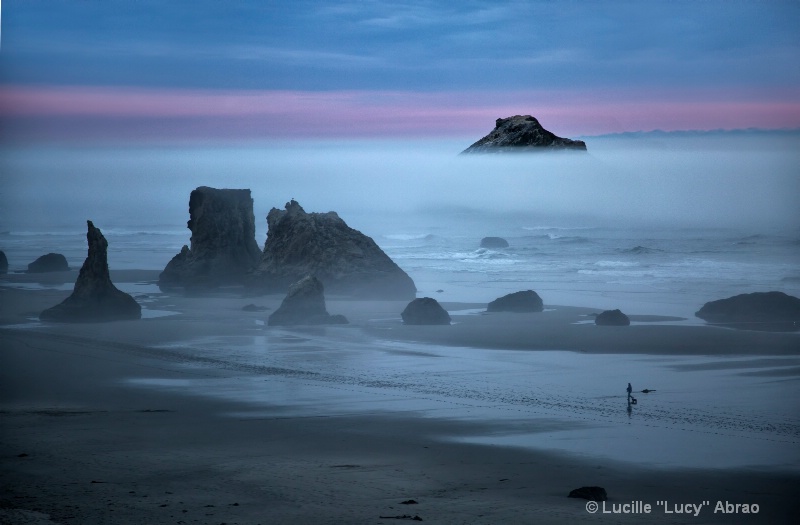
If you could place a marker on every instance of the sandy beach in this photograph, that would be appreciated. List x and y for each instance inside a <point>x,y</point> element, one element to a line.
<point>199,413</point>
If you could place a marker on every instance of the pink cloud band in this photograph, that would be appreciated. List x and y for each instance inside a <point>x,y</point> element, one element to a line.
<point>394,113</point>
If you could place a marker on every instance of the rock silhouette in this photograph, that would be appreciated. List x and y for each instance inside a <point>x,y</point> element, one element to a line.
<point>590,493</point>
<point>612,318</point>
<point>51,262</point>
<point>425,310</point>
<point>223,244</point>
<point>758,311</point>
<point>522,133</point>
<point>94,298</point>
<point>321,244</point>
<point>494,242</point>
<point>304,304</point>
<point>3,263</point>
<point>524,301</point>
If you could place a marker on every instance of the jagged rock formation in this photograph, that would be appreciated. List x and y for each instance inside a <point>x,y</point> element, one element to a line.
<point>51,262</point>
<point>755,311</point>
<point>425,311</point>
<point>612,318</point>
<point>223,243</point>
<point>94,298</point>
<point>590,493</point>
<point>524,301</point>
<point>304,304</point>
<point>494,242</point>
<point>321,244</point>
<point>522,133</point>
<point>3,262</point>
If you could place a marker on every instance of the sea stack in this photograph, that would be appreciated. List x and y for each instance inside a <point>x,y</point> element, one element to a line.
<point>522,133</point>
<point>494,242</point>
<point>304,304</point>
<point>345,260</point>
<point>3,263</point>
<point>223,243</point>
<point>612,318</point>
<point>425,310</point>
<point>51,262</point>
<point>756,311</point>
<point>94,298</point>
<point>524,301</point>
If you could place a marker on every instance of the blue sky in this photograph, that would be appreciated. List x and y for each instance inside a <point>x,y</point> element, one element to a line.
<point>559,59</point>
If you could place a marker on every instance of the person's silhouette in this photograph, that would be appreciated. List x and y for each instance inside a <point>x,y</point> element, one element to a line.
<point>630,389</point>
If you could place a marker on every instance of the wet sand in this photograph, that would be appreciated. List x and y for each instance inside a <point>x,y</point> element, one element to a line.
<point>99,425</point>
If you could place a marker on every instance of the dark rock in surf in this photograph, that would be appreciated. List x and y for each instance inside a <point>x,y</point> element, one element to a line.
<point>612,318</point>
<point>52,262</point>
<point>223,244</point>
<point>94,298</point>
<point>3,263</point>
<point>254,308</point>
<point>494,242</point>
<point>425,310</point>
<point>321,244</point>
<point>522,133</point>
<point>756,311</point>
<point>304,304</point>
<point>524,301</point>
<point>589,493</point>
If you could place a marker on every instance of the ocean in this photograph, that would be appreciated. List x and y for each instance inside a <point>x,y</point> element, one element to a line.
<point>656,225</point>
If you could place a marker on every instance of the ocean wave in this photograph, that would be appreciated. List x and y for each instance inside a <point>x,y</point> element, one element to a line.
<point>147,233</point>
<point>620,273</point>
<point>484,253</point>
<point>42,234</point>
<point>564,239</point>
<point>616,264</point>
<point>565,228</point>
<point>639,250</point>
<point>410,236</point>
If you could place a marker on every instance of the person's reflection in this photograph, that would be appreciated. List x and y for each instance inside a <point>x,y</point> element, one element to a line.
<point>630,409</point>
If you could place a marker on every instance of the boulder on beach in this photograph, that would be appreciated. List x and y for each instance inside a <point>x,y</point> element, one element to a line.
<point>223,243</point>
<point>51,262</point>
<point>522,133</point>
<point>759,310</point>
<point>524,301</point>
<point>321,244</point>
<point>494,242</point>
<point>425,310</point>
<point>590,493</point>
<point>3,262</point>
<point>612,318</point>
<point>304,304</point>
<point>94,298</point>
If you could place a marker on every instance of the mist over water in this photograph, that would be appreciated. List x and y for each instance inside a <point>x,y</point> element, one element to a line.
<point>739,182</point>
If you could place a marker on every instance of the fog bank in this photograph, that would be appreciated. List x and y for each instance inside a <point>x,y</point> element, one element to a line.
<point>739,181</point>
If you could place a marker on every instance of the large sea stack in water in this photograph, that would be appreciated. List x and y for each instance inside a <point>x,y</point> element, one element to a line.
<point>321,244</point>
<point>522,133</point>
<point>94,298</point>
<point>223,243</point>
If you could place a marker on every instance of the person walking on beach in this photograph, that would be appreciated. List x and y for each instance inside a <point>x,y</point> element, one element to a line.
<point>630,389</point>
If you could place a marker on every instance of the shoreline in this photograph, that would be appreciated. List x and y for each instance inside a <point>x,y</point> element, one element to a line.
<point>97,450</point>
<point>209,416</point>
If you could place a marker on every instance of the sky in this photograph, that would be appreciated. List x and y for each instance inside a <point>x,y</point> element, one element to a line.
<point>250,69</point>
